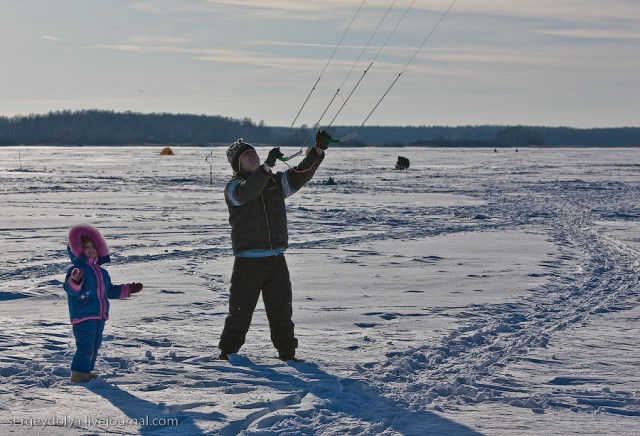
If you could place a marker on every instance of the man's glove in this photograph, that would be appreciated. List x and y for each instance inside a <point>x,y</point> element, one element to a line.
<point>274,154</point>
<point>76,275</point>
<point>134,288</point>
<point>323,139</point>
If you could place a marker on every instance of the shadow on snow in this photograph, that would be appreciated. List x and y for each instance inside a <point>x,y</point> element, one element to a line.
<point>152,417</point>
<point>342,396</point>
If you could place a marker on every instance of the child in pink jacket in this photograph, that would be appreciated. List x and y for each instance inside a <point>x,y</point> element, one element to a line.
<point>89,289</point>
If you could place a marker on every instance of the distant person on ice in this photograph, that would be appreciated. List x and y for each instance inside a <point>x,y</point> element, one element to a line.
<point>255,198</point>
<point>88,287</point>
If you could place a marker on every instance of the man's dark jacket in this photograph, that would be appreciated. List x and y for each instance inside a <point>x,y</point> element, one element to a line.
<point>257,211</point>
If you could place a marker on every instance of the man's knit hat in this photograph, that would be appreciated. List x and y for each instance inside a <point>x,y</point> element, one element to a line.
<point>234,152</point>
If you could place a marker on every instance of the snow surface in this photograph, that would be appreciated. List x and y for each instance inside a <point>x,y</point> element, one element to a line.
<point>475,293</point>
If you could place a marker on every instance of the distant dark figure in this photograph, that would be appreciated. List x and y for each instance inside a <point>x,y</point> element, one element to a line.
<point>403,163</point>
<point>495,150</point>
<point>329,181</point>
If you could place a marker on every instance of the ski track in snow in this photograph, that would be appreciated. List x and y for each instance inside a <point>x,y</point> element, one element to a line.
<point>469,365</point>
<point>503,357</point>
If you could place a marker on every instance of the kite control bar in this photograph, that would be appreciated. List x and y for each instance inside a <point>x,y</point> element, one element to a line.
<point>323,137</point>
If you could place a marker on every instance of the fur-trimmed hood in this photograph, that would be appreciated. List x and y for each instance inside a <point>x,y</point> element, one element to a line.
<point>75,244</point>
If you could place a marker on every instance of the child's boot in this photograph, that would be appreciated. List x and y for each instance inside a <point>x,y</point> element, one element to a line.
<point>92,375</point>
<point>79,377</point>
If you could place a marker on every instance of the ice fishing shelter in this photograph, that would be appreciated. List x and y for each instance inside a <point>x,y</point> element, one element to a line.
<point>167,151</point>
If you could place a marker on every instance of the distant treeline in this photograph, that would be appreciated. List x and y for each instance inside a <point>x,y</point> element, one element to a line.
<point>95,127</point>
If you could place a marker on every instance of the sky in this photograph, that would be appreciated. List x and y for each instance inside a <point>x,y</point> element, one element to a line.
<point>533,62</point>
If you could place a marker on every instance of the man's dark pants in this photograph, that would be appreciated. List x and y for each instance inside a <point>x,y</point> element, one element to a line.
<point>250,276</point>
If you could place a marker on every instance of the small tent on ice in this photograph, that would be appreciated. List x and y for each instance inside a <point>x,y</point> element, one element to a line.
<point>167,151</point>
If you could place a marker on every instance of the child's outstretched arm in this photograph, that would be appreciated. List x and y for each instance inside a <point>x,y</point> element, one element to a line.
<point>124,291</point>
<point>120,291</point>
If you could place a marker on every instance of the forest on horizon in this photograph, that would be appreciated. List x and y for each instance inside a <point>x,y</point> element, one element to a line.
<point>101,127</point>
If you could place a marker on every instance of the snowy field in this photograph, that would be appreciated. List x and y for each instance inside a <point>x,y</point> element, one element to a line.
<point>476,293</point>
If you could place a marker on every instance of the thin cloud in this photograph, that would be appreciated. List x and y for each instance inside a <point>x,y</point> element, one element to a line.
<point>567,10</point>
<point>50,38</point>
<point>123,47</point>
<point>153,44</point>
<point>283,9</point>
<point>424,62</point>
<point>257,60</point>
<point>576,11</point>
<point>160,40</point>
<point>168,49</point>
<point>593,34</point>
<point>227,56</point>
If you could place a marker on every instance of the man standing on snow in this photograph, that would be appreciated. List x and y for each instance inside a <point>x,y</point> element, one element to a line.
<point>255,198</point>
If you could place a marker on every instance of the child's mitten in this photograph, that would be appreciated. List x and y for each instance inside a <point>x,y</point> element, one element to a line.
<point>134,288</point>
<point>76,275</point>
